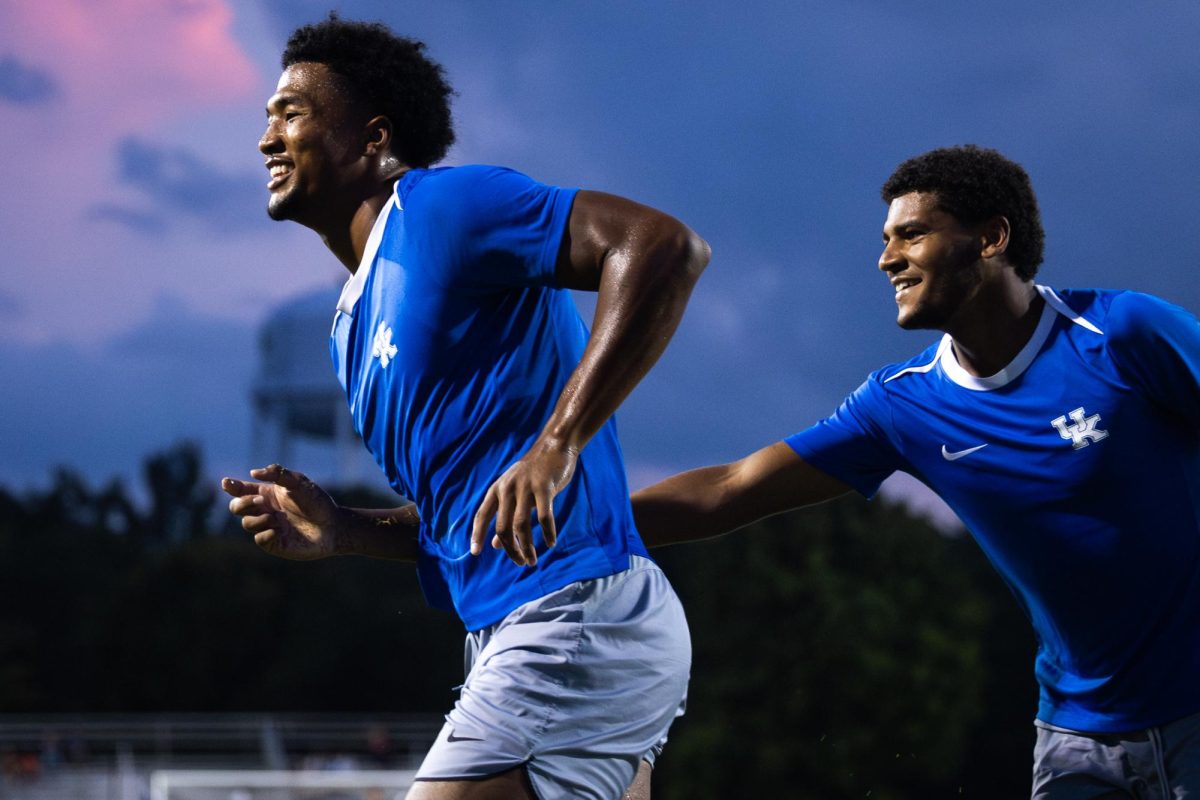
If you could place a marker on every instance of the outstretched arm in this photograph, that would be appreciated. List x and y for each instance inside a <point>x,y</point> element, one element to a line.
<point>294,518</point>
<point>711,501</point>
<point>643,264</point>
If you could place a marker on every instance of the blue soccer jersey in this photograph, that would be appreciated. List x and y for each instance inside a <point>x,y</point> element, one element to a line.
<point>453,343</point>
<point>1077,469</point>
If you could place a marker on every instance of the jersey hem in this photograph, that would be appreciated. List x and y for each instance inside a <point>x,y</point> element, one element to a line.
<point>1082,724</point>
<point>490,616</point>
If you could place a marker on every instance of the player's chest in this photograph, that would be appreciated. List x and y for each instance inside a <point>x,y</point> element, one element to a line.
<point>406,325</point>
<point>1067,433</point>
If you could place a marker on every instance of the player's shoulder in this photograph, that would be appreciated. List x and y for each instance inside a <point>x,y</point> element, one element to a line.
<point>1091,305</point>
<point>1130,312</point>
<point>456,182</point>
<point>1120,314</point>
<point>451,197</point>
<point>922,364</point>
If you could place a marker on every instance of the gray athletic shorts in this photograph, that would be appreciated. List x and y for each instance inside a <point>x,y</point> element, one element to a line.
<point>1161,763</point>
<point>579,686</point>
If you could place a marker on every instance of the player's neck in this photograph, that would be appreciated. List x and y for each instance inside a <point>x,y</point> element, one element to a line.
<point>999,323</point>
<point>348,239</point>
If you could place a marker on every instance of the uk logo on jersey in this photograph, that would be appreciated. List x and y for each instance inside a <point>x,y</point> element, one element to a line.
<point>383,348</point>
<point>1083,432</point>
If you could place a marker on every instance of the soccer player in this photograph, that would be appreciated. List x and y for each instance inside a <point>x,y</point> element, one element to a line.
<point>479,391</point>
<point>1062,427</point>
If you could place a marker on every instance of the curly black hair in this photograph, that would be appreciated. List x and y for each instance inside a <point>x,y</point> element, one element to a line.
<point>390,74</point>
<point>974,184</point>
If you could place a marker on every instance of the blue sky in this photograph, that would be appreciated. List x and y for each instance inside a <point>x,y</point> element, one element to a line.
<point>137,260</point>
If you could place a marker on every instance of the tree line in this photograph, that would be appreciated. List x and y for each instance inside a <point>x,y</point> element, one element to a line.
<point>847,650</point>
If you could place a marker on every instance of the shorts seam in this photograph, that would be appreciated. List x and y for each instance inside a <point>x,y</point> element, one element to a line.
<point>560,681</point>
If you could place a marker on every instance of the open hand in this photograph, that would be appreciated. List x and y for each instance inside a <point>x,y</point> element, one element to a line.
<point>529,484</point>
<point>289,515</point>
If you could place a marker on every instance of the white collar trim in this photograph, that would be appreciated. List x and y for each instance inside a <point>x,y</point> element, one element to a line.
<point>1054,300</point>
<point>954,371</point>
<point>1013,370</point>
<point>354,286</point>
<point>942,347</point>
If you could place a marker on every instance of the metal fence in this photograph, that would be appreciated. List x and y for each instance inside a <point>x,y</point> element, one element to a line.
<point>111,757</point>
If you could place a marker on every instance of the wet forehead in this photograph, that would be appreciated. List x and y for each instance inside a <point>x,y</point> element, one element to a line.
<point>305,81</point>
<point>911,209</point>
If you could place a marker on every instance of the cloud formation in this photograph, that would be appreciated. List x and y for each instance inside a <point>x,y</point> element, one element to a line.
<point>176,375</point>
<point>11,305</point>
<point>146,223</point>
<point>179,182</point>
<point>144,70</point>
<point>128,61</point>
<point>25,85</point>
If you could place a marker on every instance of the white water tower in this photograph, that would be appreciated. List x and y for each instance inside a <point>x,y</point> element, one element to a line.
<point>301,419</point>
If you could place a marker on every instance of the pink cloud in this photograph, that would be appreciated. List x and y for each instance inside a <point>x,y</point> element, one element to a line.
<point>120,69</point>
<point>133,62</point>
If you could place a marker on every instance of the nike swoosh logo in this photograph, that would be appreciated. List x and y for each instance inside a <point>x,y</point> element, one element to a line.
<point>946,454</point>
<point>453,738</point>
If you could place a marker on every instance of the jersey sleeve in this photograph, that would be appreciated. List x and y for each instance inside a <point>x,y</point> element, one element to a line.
<point>853,444</point>
<point>492,227</point>
<point>1156,346</point>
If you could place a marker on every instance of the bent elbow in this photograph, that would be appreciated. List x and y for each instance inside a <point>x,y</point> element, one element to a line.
<point>699,253</point>
<point>690,253</point>
<point>664,252</point>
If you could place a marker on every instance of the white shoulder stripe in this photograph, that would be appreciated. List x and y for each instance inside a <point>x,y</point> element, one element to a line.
<point>945,355</point>
<point>353,288</point>
<point>924,367</point>
<point>1058,305</point>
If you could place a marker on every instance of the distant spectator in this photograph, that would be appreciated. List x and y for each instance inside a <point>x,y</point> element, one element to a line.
<point>379,745</point>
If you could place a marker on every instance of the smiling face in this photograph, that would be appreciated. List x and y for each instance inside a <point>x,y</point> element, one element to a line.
<point>932,260</point>
<point>311,147</point>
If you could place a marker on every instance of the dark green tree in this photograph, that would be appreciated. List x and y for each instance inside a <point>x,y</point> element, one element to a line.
<point>838,652</point>
<point>57,574</point>
<point>181,496</point>
<point>217,625</point>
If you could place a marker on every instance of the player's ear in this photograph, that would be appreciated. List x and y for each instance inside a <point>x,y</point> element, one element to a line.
<point>994,236</point>
<point>377,136</point>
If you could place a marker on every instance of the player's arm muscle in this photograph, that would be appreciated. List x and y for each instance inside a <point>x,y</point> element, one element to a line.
<point>711,501</point>
<point>643,264</point>
<point>389,533</point>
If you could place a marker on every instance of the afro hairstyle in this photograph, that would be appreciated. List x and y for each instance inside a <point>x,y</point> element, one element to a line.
<point>390,75</point>
<point>975,184</point>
